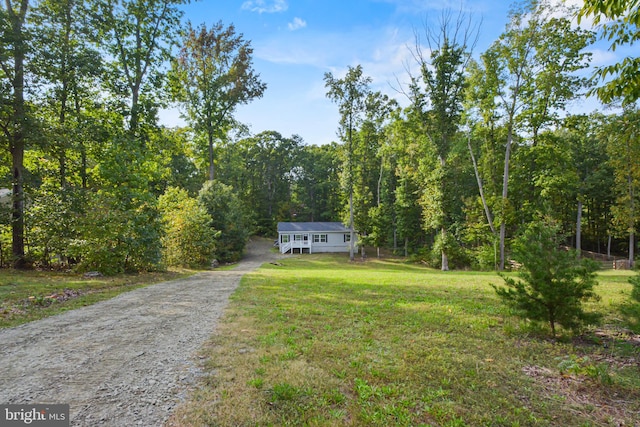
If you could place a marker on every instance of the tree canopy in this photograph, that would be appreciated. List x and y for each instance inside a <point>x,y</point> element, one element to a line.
<point>484,146</point>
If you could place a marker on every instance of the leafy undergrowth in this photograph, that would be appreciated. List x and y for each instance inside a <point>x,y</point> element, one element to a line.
<point>32,295</point>
<point>315,340</point>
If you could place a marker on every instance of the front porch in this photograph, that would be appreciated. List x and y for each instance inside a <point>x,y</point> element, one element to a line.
<point>301,242</point>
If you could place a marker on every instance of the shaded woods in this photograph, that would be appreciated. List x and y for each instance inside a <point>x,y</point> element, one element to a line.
<point>484,146</point>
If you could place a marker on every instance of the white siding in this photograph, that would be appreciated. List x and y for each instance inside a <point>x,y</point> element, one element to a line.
<point>335,242</point>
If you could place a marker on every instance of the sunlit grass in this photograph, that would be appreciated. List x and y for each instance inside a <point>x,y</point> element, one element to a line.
<point>32,295</point>
<point>316,340</point>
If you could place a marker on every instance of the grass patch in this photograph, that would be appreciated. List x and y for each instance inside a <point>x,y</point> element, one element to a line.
<point>317,340</point>
<point>32,295</point>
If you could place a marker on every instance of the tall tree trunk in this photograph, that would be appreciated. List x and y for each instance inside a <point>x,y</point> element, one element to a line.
<point>445,258</point>
<point>211,170</point>
<point>487,212</point>
<point>64,97</point>
<point>351,231</point>
<point>444,266</point>
<point>631,249</point>
<point>379,201</point>
<point>16,136</point>
<point>632,224</point>
<point>505,192</point>
<point>135,115</point>
<point>17,212</point>
<point>579,229</point>
<point>395,238</point>
<point>406,247</point>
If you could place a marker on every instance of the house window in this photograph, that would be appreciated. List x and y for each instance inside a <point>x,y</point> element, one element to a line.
<point>320,238</point>
<point>347,237</point>
<point>284,238</point>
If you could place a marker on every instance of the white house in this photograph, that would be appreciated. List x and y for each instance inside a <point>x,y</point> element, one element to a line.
<point>313,237</point>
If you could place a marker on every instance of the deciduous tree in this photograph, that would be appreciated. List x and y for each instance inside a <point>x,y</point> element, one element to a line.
<point>350,93</point>
<point>444,81</point>
<point>532,66</point>
<point>14,120</point>
<point>138,36</point>
<point>229,217</point>
<point>618,21</point>
<point>623,146</point>
<point>212,75</point>
<point>188,239</point>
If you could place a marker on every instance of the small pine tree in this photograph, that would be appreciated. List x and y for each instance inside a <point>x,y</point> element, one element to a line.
<point>553,283</point>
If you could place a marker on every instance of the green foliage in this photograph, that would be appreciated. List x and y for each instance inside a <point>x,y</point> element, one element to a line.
<point>553,282</point>
<point>484,257</point>
<point>440,105</point>
<point>52,222</point>
<point>620,22</point>
<point>120,230</point>
<point>115,237</point>
<point>447,243</point>
<point>584,367</point>
<point>260,169</point>
<point>95,159</point>
<point>137,36</point>
<point>188,239</point>
<point>228,217</point>
<point>635,292</point>
<point>212,75</point>
<point>631,308</point>
<point>316,187</point>
<point>623,146</point>
<point>350,93</point>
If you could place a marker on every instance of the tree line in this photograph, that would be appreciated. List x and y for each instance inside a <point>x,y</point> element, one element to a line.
<point>483,148</point>
<point>487,146</point>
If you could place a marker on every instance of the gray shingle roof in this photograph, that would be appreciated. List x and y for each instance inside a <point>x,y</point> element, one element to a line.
<point>307,227</point>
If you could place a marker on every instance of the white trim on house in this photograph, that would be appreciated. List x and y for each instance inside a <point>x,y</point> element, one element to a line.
<point>313,237</point>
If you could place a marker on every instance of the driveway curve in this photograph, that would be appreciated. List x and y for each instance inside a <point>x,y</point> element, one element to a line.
<point>127,361</point>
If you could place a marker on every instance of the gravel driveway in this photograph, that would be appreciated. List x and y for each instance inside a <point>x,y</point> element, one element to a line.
<point>123,362</point>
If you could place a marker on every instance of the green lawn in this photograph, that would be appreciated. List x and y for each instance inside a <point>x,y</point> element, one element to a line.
<point>31,295</point>
<point>317,340</point>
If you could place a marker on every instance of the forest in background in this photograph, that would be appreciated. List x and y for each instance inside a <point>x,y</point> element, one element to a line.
<point>484,148</point>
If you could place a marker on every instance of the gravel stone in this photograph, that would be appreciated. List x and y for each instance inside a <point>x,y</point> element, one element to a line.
<point>126,361</point>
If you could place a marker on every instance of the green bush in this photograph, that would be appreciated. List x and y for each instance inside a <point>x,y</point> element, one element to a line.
<point>188,240</point>
<point>484,258</point>
<point>53,223</point>
<point>113,238</point>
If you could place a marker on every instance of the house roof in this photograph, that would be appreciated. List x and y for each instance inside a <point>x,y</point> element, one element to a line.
<point>337,227</point>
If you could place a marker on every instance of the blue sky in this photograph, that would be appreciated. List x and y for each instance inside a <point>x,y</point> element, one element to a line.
<point>296,41</point>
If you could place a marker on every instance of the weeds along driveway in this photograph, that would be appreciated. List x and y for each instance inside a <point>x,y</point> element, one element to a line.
<point>126,361</point>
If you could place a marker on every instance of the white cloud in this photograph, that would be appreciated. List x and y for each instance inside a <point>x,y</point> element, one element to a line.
<point>602,57</point>
<point>297,24</point>
<point>263,6</point>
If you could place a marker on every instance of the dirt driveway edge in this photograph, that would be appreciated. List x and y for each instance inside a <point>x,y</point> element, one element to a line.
<point>127,361</point>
